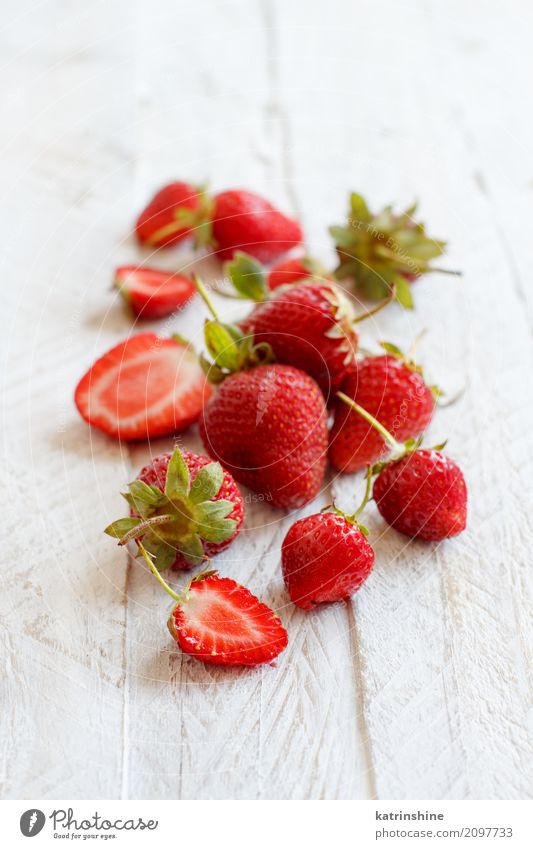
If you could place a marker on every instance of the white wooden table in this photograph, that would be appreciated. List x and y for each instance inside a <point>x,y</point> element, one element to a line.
<point>419,687</point>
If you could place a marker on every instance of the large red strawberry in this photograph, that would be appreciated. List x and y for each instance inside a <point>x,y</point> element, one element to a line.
<point>151,293</point>
<point>184,508</point>
<point>144,387</point>
<point>266,422</point>
<point>245,221</point>
<point>325,557</point>
<point>422,495</point>
<point>391,388</point>
<point>311,326</point>
<point>382,249</point>
<point>175,212</point>
<point>219,621</point>
<point>420,491</point>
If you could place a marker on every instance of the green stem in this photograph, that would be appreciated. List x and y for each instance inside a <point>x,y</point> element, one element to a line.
<point>388,437</point>
<point>445,271</point>
<point>140,529</point>
<point>390,297</point>
<point>155,572</point>
<point>366,496</point>
<point>205,297</point>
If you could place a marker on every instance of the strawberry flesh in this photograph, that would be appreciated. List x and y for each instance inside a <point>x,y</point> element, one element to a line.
<point>144,387</point>
<point>152,293</point>
<point>221,622</point>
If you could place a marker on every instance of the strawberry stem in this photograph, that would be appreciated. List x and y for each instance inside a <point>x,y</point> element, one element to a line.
<point>390,297</point>
<point>388,437</point>
<point>446,271</point>
<point>157,574</point>
<point>205,297</point>
<point>366,496</point>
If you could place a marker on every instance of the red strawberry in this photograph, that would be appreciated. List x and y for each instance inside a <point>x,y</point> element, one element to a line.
<point>175,212</point>
<point>219,621</point>
<point>423,495</point>
<point>325,557</point>
<point>144,387</point>
<point>151,293</point>
<point>245,221</point>
<point>184,508</point>
<point>311,326</point>
<point>268,426</point>
<point>392,389</point>
<point>294,271</point>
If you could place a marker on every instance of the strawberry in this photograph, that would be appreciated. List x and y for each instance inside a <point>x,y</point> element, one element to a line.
<point>420,491</point>
<point>266,423</point>
<point>184,508</point>
<point>294,271</point>
<point>175,212</point>
<point>243,220</point>
<point>325,557</point>
<point>422,495</point>
<point>311,326</point>
<point>144,387</point>
<point>390,387</point>
<point>219,621</point>
<point>378,250</point>
<point>151,293</point>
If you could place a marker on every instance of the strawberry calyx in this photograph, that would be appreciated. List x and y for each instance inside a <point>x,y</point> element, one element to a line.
<point>353,518</point>
<point>249,277</point>
<point>377,250</point>
<point>180,519</point>
<point>198,220</point>
<point>231,349</point>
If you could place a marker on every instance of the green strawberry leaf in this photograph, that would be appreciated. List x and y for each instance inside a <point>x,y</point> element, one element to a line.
<point>192,549</point>
<point>178,479</point>
<point>403,292</point>
<point>145,493</point>
<point>207,483</point>
<point>359,208</point>
<point>219,531</point>
<point>247,277</point>
<point>163,553</point>
<point>221,345</point>
<point>121,526</point>
<point>210,512</point>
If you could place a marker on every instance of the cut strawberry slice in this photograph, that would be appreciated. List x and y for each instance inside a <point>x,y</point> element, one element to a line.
<point>153,293</point>
<point>220,621</point>
<point>144,387</point>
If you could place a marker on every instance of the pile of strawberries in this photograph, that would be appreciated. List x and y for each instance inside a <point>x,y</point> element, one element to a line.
<point>275,396</point>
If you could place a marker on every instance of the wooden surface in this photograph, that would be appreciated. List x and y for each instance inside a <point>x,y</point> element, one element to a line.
<point>418,688</point>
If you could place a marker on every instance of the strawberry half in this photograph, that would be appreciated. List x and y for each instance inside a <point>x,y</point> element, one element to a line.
<point>144,387</point>
<point>151,293</point>
<point>175,212</point>
<point>219,621</point>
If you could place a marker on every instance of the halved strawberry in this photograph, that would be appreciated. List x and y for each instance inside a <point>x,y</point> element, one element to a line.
<point>144,387</point>
<point>151,293</point>
<point>220,621</point>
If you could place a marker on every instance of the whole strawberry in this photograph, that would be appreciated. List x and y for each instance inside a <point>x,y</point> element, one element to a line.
<point>422,495</point>
<point>420,491</point>
<point>184,509</point>
<point>311,326</point>
<point>245,221</point>
<point>390,387</point>
<point>325,557</point>
<point>175,212</point>
<point>151,293</point>
<point>267,425</point>
<point>378,250</point>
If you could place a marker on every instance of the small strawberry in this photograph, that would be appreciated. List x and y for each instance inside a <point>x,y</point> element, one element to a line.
<point>245,221</point>
<point>390,387</point>
<point>266,423</point>
<point>312,326</point>
<point>144,387</point>
<point>294,271</point>
<point>420,492</point>
<point>379,250</point>
<point>175,212</point>
<point>219,621</point>
<point>184,509</point>
<point>151,293</point>
<point>325,557</point>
